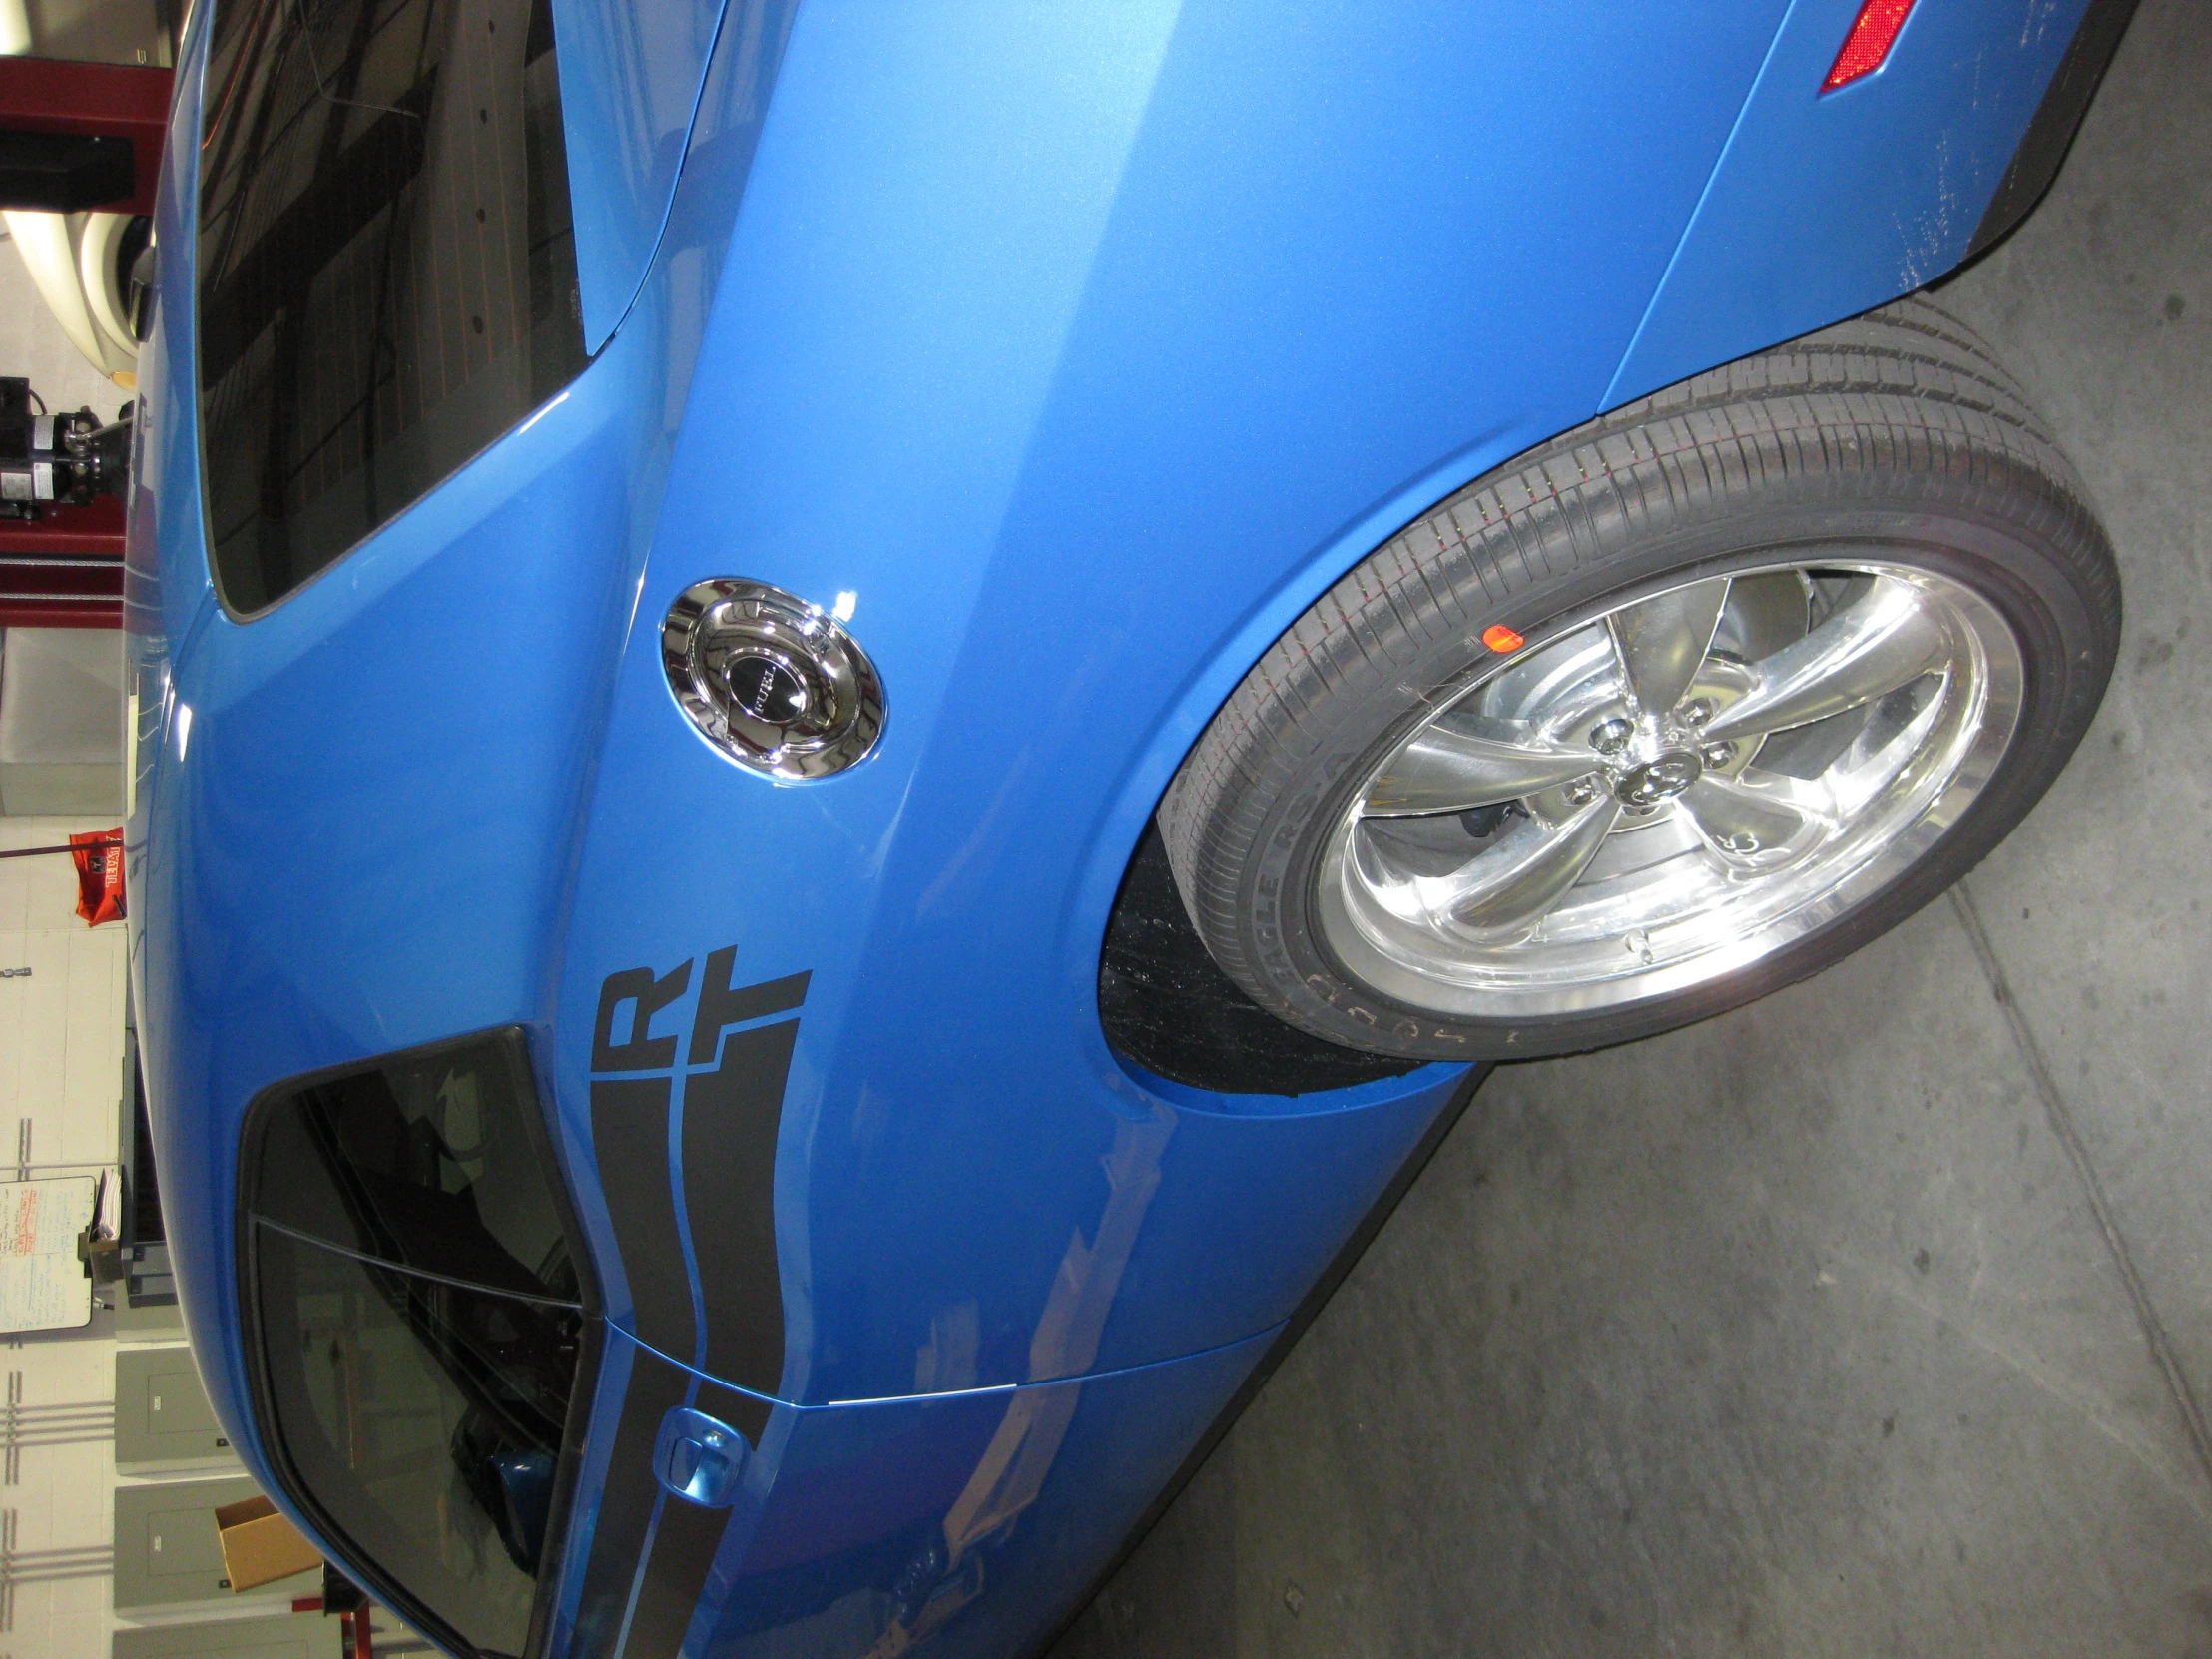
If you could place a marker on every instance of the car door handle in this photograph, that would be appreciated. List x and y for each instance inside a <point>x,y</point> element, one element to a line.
<point>698,1459</point>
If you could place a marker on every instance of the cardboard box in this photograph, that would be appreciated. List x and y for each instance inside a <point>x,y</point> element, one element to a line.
<point>259,1546</point>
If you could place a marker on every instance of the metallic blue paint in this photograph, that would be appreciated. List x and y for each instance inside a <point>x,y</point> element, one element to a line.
<point>630,81</point>
<point>1817,210</point>
<point>1038,1484</point>
<point>1075,350</point>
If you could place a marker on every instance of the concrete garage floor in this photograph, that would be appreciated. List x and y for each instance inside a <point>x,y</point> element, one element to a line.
<point>1873,1318</point>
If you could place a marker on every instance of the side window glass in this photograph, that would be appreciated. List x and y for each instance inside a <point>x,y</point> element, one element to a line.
<point>387,265</point>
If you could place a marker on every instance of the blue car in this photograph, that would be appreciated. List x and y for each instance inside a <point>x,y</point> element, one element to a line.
<point>852,720</point>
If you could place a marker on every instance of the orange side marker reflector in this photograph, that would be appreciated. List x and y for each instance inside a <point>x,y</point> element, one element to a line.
<point>1502,639</point>
<point>1868,42</point>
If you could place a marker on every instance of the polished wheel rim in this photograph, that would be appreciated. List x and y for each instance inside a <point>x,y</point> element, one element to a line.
<point>1671,791</point>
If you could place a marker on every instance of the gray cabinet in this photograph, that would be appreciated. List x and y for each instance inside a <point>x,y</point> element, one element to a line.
<point>167,1552</point>
<point>295,1636</point>
<point>162,1416</point>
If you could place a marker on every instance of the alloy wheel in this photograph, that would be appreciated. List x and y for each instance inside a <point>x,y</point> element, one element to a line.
<point>1671,789</point>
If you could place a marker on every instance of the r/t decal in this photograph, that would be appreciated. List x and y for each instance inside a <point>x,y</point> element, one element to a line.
<point>720,1006</point>
<point>717,1182</point>
<point>647,997</point>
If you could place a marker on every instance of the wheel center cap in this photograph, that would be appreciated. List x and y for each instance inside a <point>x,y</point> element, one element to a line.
<point>1658,778</point>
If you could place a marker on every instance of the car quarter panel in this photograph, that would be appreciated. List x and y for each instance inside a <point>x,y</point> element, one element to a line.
<point>1070,389</point>
<point>359,812</point>
<point>1826,205</point>
<point>872,1527</point>
<point>630,83</point>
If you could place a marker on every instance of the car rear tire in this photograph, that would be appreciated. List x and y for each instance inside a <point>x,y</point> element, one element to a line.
<point>1681,707</point>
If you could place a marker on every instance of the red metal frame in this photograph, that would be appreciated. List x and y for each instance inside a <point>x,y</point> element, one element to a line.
<point>50,95</point>
<point>65,570</point>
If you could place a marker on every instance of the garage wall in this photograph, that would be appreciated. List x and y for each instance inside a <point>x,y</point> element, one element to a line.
<point>61,720</point>
<point>60,1069</point>
<point>61,1028</point>
<point>57,1495</point>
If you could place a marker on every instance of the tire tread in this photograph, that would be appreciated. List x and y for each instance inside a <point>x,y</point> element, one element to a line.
<point>1906,390</point>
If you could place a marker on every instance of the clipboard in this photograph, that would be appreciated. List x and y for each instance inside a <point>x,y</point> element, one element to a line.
<point>42,1285</point>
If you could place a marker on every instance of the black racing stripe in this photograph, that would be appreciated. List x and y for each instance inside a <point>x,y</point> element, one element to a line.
<point>685,1544</point>
<point>684,1547</point>
<point>629,1131</point>
<point>625,1505</point>
<point>730,1117</point>
<point>747,1413</point>
<point>720,1007</point>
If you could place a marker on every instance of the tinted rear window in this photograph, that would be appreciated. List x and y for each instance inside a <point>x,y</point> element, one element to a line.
<point>386,273</point>
<point>413,1296</point>
<point>430,1159</point>
<point>424,1421</point>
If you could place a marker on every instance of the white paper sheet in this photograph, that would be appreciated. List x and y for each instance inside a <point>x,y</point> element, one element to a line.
<point>42,1285</point>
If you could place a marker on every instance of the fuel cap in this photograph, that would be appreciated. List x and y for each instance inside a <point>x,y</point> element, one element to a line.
<point>773,682</point>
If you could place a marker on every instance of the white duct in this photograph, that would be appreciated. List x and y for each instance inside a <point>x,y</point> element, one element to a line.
<point>71,257</point>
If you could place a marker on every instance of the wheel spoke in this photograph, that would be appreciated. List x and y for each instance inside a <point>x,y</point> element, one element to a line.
<point>1882,749</point>
<point>1886,640</point>
<point>1661,642</point>
<point>1503,895</point>
<point>1675,787</point>
<point>1448,771</point>
<point>1757,820</point>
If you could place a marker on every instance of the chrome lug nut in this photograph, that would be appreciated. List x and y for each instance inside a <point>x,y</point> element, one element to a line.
<point>1696,711</point>
<point>1582,792</point>
<point>1717,753</point>
<point>1611,737</point>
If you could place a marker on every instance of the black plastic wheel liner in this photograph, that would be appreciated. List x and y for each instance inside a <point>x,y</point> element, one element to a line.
<point>1167,1006</point>
<point>2051,132</point>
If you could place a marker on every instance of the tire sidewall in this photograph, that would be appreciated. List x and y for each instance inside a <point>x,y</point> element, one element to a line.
<point>2035,584</point>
